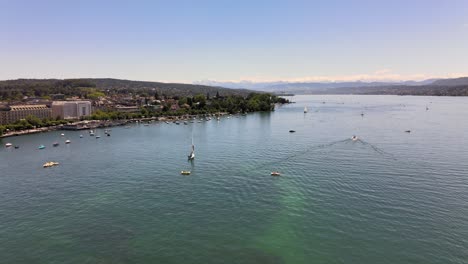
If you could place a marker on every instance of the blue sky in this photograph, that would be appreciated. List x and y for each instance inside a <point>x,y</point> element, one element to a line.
<point>187,41</point>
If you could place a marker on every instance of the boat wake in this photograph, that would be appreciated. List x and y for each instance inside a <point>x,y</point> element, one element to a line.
<point>300,153</point>
<point>323,146</point>
<point>376,149</point>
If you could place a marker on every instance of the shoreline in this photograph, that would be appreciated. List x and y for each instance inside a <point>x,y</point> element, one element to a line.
<point>93,124</point>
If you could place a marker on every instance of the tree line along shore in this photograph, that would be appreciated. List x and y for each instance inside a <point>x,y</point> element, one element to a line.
<point>128,103</point>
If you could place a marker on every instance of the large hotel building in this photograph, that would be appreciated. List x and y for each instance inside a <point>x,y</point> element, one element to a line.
<point>13,113</point>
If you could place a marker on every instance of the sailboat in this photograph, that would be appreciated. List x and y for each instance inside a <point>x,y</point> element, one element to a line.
<point>305,109</point>
<point>191,156</point>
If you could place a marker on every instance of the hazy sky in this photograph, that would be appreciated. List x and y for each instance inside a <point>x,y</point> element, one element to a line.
<point>186,41</point>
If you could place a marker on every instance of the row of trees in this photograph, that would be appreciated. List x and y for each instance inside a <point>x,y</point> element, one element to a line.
<point>31,122</point>
<point>196,105</point>
<point>199,105</point>
<point>15,90</point>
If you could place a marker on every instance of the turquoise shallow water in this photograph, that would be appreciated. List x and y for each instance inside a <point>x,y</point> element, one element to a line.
<point>391,197</point>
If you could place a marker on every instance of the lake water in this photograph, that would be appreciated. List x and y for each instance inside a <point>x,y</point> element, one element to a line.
<point>390,197</point>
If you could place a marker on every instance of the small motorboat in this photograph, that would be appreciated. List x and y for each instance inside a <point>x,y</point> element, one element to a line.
<point>305,110</point>
<point>185,172</point>
<point>292,131</point>
<point>50,164</point>
<point>408,131</point>
<point>16,147</point>
<point>62,134</point>
<point>354,138</point>
<point>55,144</point>
<point>41,147</point>
<point>98,136</point>
<point>108,134</point>
<point>275,173</point>
<point>167,122</point>
<point>185,123</point>
<point>81,136</point>
<point>67,141</point>
<point>8,145</point>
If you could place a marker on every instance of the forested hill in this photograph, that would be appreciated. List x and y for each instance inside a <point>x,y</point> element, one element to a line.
<point>16,89</point>
<point>427,90</point>
<point>442,87</point>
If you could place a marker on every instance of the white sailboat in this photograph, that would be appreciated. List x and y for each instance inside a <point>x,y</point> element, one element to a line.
<point>305,109</point>
<point>191,156</point>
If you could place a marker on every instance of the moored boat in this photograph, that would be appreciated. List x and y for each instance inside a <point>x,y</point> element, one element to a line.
<point>275,173</point>
<point>185,172</point>
<point>8,145</point>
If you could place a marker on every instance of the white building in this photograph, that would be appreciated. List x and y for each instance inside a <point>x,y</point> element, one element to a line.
<point>71,109</point>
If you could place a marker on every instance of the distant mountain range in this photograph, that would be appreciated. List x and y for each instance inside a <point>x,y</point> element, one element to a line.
<point>456,87</point>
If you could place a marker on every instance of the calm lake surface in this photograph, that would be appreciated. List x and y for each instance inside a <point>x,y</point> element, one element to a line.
<point>390,197</point>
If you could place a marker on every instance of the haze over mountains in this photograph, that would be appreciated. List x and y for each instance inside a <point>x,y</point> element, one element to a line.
<point>455,86</point>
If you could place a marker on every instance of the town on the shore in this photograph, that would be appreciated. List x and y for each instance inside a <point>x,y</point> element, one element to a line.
<point>98,108</point>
